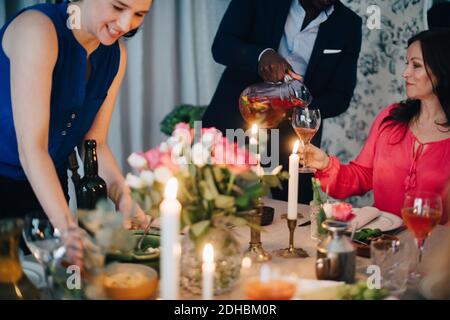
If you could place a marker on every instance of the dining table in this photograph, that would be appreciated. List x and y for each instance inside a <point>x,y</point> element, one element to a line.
<point>276,236</point>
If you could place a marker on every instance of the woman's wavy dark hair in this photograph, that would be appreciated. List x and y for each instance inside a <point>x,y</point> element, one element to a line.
<point>435,45</point>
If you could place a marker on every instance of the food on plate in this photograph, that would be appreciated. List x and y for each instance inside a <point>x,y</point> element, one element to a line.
<point>367,235</point>
<point>360,291</point>
<point>130,282</point>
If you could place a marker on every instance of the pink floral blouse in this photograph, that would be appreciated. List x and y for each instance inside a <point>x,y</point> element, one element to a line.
<point>388,166</point>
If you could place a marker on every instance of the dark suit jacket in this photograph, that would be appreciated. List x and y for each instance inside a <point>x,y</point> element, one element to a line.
<point>249,27</point>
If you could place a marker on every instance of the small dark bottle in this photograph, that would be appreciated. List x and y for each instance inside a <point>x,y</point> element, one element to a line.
<point>91,187</point>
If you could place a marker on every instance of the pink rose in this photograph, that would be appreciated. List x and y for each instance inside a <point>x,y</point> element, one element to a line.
<point>166,161</point>
<point>183,130</point>
<point>228,153</point>
<point>153,157</point>
<point>211,136</point>
<point>342,211</point>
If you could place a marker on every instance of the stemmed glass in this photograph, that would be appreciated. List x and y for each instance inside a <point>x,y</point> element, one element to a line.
<point>45,243</point>
<point>306,123</point>
<point>421,212</point>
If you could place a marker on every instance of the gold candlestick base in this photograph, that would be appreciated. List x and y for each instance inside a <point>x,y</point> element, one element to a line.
<point>291,252</point>
<point>256,251</point>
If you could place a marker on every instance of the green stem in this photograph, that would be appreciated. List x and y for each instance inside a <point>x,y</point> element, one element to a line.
<point>230,183</point>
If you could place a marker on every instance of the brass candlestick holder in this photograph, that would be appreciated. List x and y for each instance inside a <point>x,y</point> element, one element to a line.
<point>291,252</point>
<point>256,250</point>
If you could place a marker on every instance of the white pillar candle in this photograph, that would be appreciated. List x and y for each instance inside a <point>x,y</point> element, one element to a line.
<point>170,210</point>
<point>293,182</point>
<point>208,269</point>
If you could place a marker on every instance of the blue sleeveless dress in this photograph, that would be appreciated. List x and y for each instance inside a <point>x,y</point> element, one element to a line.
<point>74,103</point>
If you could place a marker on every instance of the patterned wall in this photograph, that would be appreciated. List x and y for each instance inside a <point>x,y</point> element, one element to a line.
<point>380,68</point>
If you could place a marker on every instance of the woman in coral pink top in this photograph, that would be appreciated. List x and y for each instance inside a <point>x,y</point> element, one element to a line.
<point>408,147</point>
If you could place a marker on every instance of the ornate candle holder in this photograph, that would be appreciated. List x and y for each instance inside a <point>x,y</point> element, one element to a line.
<point>256,250</point>
<point>291,251</point>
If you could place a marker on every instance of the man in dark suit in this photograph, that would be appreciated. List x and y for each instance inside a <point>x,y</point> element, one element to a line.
<point>267,39</point>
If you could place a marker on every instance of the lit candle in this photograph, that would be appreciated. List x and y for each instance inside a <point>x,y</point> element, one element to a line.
<point>293,182</point>
<point>170,210</point>
<point>245,266</point>
<point>208,269</point>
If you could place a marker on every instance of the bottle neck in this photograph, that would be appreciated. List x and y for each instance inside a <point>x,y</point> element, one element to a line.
<point>90,162</point>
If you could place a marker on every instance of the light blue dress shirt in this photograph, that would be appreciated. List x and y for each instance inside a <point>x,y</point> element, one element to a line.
<point>296,45</point>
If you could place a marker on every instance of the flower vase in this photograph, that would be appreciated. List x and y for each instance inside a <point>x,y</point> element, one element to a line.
<point>227,257</point>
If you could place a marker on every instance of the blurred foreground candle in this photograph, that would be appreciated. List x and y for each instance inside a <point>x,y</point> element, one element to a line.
<point>170,210</point>
<point>208,269</point>
<point>293,182</point>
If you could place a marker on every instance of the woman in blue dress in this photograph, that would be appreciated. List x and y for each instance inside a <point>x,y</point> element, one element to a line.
<point>61,67</point>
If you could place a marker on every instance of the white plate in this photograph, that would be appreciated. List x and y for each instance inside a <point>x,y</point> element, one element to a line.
<point>35,273</point>
<point>385,222</point>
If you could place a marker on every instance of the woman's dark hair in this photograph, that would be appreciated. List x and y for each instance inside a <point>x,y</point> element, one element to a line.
<point>131,34</point>
<point>435,45</point>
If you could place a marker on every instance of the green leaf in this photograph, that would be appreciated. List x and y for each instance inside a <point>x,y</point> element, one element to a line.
<point>242,202</point>
<point>224,202</point>
<point>210,181</point>
<point>205,191</point>
<point>238,221</point>
<point>199,228</point>
<point>272,181</point>
<point>255,191</point>
<point>218,173</point>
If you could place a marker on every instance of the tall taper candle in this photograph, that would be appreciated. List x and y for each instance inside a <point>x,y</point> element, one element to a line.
<point>208,269</point>
<point>170,210</point>
<point>293,182</point>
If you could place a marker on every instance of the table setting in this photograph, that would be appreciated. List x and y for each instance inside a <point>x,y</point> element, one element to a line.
<point>214,233</point>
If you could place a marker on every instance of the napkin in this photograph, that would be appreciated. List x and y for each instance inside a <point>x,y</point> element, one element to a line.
<point>365,215</point>
<point>308,289</point>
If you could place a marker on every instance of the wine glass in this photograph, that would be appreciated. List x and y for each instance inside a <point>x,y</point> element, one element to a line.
<point>306,123</point>
<point>421,212</point>
<point>45,243</point>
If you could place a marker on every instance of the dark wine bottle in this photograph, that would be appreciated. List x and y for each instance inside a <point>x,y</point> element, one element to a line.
<point>91,187</point>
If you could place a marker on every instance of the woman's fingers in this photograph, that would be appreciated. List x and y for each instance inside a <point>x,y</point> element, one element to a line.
<point>294,75</point>
<point>315,157</point>
<point>73,240</point>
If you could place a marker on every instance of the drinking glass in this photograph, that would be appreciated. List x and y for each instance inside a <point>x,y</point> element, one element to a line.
<point>421,212</point>
<point>306,123</point>
<point>392,257</point>
<point>45,243</point>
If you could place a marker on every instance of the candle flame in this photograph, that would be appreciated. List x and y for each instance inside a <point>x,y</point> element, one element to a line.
<point>246,263</point>
<point>255,129</point>
<point>296,147</point>
<point>208,253</point>
<point>171,189</point>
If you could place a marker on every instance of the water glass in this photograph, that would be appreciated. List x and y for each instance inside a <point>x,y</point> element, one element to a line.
<point>392,258</point>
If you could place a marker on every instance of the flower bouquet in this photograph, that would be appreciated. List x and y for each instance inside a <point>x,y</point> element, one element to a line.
<point>217,179</point>
<point>219,183</point>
